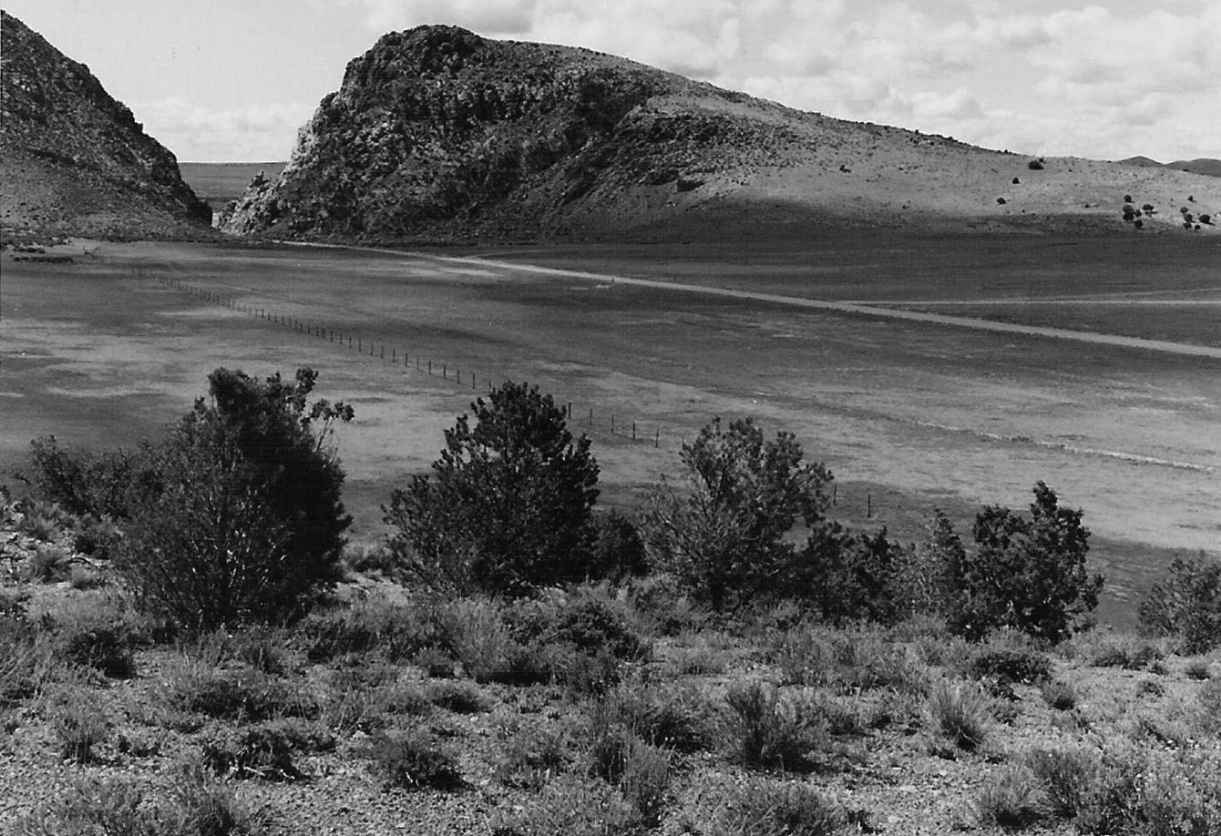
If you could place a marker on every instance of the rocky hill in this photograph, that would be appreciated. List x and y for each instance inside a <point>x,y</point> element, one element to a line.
<point>73,161</point>
<point>437,133</point>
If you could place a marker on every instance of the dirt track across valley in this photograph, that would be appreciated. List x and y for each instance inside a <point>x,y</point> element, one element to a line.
<point>851,308</point>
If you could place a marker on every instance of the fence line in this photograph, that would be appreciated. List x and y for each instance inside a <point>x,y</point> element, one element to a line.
<point>619,427</point>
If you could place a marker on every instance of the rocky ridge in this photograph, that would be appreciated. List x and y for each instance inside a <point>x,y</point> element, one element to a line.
<point>73,160</point>
<point>438,134</point>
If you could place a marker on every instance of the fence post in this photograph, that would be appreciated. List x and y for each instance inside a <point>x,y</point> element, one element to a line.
<point>444,371</point>
<point>591,416</point>
<point>612,423</point>
<point>868,505</point>
<point>430,367</point>
<point>657,437</point>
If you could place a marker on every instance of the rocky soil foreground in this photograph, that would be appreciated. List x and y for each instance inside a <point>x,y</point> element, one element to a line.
<point>73,161</point>
<point>389,712</point>
<point>437,133</point>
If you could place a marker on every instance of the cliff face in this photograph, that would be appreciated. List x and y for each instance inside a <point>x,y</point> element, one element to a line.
<point>437,133</point>
<point>75,161</point>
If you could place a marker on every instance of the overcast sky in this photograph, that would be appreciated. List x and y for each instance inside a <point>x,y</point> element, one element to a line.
<point>219,80</point>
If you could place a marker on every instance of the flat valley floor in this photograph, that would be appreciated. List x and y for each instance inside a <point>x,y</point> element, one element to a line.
<point>944,372</point>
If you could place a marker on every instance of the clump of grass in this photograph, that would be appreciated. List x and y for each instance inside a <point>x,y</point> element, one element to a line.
<point>1012,798</point>
<point>242,695</point>
<point>48,564</point>
<point>198,804</point>
<point>769,730</point>
<point>1011,665</point>
<point>457,696</point>
<point>761,807</point>
<point>79,725</point>
<point>645,780</point>
<point>571,805</point>
<point>264,750</point>
<point>1068,778</point>
<point>1198,670</point>
<point>1150,688</point>
<point>671,716</point>
<point>1059,695</point>
<point>959,712</point>
<point>414,760</point>
<point>368,698</point>
<point>529,757</point>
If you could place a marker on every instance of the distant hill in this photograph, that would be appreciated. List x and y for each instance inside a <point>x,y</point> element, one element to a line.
<point>1203,165</point>
<point>438,134</point>
<point>222,183</point>
<point>73,161</point>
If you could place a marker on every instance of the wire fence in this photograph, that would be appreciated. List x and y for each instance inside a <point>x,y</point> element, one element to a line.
<point>620,427</point>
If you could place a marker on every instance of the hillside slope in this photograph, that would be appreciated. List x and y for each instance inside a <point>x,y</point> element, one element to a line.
<point>75,161</point>
<point>437,133</point>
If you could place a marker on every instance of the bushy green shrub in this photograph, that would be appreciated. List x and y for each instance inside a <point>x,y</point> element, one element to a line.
<point>763,807</point>
<point>849,575</point>
<point>247,523</point>
<point>507,507</point>
<point>618,549</point>
<point>107,485</point>
<point>1186,604</point>
<point>264,750</point>
<point>414,760</point>
<point>1027,573</point>
<point>1008,666</point>
<point>771,730</point>
<point>723,538</point>
<point>1012,798</point>
<point>960,713</point>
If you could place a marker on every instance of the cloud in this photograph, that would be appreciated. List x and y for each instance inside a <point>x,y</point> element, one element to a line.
<point>1054,76</point>
<point>200,134</point>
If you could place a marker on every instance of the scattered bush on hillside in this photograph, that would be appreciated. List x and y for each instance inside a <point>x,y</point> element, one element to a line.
<point>1026,572</point>
<point>1186,604</point>
<point>247,524</point>
<point>507,507</point>
<point>848,575</point>
<point>1127,198</point>
<point>1148,210</point>
<point>723,539</point>
<point>927,573</point>
<point>1035,165</point>
<point>618,550</point>
<point>1206,219</point>
<point>105,485</point>
<point>414,760</point>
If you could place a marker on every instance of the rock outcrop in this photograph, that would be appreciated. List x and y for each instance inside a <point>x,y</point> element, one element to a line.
<point>73,161</point>
<point>439,134</point>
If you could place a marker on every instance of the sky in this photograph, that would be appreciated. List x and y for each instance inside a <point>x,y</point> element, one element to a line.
<point>233,80</point>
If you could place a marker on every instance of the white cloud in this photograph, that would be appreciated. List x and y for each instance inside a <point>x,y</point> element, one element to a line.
<point>1053,76</point>
<point>200,134</point>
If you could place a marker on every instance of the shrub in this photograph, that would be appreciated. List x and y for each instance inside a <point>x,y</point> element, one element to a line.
<point>395,630</point>
<point>1035,165</point>
<point>572,805</point>
<point>1059,695</point>
<point>1186,604</point>
<point>414,760</point>
<point>1127,198</point>
<point>103,485</point>
<point>724,539</point>
<point>582,620</point>
<point>849,575</point>
<point>79,725</point>
<point>264,750</point>
<point>527,758</point>
<point>760,807</point>
<point>769,730</point>
<point>1011,798</point>
<point>48,564</point>
<point>1011,666</point>
<point>670,716</point>
<point>1027,572</point>
<point>248,523</point>
<point>1067,775</point>
<point>507,506</point>
<point>458,697</point>
<point>243,695</point>
<point>959,712</point>
<point>1198,670</point>
<point>618,550</point>
<point>926,574</point>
